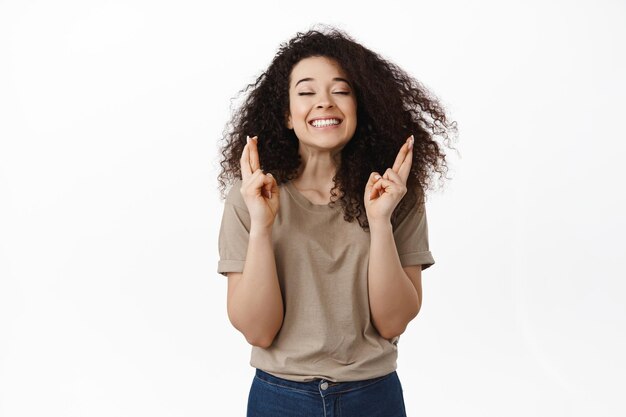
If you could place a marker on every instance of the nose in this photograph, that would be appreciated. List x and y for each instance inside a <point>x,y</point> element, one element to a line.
<point>325,101</point>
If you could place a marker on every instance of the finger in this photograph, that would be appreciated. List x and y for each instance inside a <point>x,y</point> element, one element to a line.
<point>254,184</point>
<point>387,186</point>
<point>254,153</point>
<point>244,163</point>
<point>371,181</point>
<point>381,187</point>
<point>268,185</point>
<point>376,191</point>
<point>405,167</point>
<point>392,176</point>
<point>401,154</point>
<point>374,176</point>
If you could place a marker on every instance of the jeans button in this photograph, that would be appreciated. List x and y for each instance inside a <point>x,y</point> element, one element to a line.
<point>324,385</point>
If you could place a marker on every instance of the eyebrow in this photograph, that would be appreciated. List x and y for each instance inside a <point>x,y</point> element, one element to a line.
<point>334,79</point>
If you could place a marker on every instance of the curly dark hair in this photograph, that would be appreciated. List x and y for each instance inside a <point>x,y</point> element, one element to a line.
<point>391,105</point>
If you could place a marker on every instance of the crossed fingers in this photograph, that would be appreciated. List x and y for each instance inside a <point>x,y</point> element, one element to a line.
<point>398,174</point>
<point>404,159</point>
<point>251,168</point>
<point>249,161</point>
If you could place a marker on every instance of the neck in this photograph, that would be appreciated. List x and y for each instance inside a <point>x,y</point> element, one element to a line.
<point>317,168</point>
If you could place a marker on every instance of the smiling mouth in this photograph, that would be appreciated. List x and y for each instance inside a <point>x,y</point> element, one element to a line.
<point>325,122</point>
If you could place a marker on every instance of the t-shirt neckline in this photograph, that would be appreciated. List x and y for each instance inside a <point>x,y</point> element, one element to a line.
<point>305,202</point>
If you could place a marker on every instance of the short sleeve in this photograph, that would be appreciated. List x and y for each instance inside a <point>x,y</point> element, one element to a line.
<point>411,237</point>
<point>234,233</point>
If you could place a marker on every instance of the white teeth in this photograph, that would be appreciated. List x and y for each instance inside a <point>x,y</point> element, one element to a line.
<point>325,122</point>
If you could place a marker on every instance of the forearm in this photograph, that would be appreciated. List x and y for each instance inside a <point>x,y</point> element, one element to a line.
<point>394,301</point>
<point>256,308</point>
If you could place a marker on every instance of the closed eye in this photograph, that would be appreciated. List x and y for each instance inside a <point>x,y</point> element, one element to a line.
<point>345,93</point>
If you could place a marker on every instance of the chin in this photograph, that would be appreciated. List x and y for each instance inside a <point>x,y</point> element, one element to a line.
<point>329,144</point>
<point>325,138</point>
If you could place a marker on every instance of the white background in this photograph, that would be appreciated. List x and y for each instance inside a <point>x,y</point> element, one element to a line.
<point>110,116</point>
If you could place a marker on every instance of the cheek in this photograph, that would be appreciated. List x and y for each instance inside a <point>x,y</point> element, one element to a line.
<point>298,113</point>
<point>353,108</point>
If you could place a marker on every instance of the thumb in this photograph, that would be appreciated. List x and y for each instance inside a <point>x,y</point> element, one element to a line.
<point>269,185</point>
<point>369,187</point>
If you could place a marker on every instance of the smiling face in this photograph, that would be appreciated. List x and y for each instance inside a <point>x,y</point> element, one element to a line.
<point>322,104</point>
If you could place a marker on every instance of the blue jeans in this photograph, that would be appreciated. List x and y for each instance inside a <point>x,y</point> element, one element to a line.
<point>271,396</point>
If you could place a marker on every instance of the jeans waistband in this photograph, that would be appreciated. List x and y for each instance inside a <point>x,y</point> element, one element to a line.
<point>319,385</point>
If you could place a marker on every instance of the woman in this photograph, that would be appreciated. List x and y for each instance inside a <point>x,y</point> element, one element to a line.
<point>324,233</point>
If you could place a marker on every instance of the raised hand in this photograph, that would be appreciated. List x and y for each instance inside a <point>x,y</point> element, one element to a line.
<point>259,190</point>
<point>383,193</point>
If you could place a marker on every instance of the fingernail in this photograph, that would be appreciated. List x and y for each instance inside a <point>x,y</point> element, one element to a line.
<point>377,177</point>
<point>269,174</point>
<point>247,139</point>
<point>411,140</point>
<point>254,138</point>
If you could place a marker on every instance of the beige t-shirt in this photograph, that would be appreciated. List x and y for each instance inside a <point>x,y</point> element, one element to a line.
<point>321,262</point>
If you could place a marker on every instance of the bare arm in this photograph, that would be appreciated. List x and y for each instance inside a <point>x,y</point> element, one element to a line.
<point>255,304</point>
<point>394,292</point>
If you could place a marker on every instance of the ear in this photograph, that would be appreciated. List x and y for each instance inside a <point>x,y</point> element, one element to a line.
<point>288,121</point>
